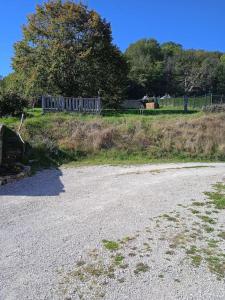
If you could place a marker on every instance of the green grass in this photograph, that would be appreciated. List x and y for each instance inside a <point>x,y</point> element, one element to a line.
<point>192,250</point>
<point>118,259</point>
<point>222,235</point>
<point>207,219</point>
<point>170,218</point>
<point>216,265</point>
<point>208,229</point>
<point>196,260</point>
<point>217,198</point>
<point>197,203</point>
<point>111,245</point>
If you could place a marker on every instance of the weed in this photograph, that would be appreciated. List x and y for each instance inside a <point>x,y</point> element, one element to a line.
<point>118,259</point>
<point>141,267</point>
<point>121,280</point>
<point>124,266</point>
<point>170,252</point>
<point>94,269</point>
<point>217,198</point>
<point>80,263</point>
<point>207,219</point>
<point>110,245</point>
<point>196,260</point>
<point>193,249</point>
<point>208,229</point>
<point>213,243</point>
<point>197,203</point>
<point>216,265</point>
<point>170,218</point>
<point>179,240</point>
<point>194,211</point>
<point>222,235</point>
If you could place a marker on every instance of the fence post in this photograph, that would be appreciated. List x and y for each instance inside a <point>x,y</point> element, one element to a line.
<point>185,103</point>
<point>43,104</point>
<point>211,98</point>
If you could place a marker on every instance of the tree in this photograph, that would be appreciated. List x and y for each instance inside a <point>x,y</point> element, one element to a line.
<point>67,49</point>
<point>171,49</point>
<point>146,65</point>
<point>220,76</point>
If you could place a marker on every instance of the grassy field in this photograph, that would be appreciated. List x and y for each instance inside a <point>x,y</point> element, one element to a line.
<point>122,137</point>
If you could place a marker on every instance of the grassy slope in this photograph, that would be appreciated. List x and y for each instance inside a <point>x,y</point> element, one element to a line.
<point>163,135</point>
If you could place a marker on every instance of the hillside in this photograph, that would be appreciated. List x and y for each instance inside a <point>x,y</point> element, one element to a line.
<point>122,138</point>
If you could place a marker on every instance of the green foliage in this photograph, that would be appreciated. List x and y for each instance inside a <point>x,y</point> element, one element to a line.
<point>11,103</point>
<point>146,65</point>
<point>67,49</point>
<point>217,196</point>
<point>167,68</point>
<point>110,245</point>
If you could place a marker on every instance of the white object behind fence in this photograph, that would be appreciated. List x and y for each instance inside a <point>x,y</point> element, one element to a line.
<point>88,105</point>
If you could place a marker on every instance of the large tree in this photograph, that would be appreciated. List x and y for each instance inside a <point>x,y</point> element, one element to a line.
<point>67,49</point>
<point>146,65</point>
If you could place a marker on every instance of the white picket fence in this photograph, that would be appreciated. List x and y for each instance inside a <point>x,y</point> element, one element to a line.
<point>70,104</point>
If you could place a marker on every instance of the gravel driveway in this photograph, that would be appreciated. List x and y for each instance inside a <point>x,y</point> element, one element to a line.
<point>112,233</point>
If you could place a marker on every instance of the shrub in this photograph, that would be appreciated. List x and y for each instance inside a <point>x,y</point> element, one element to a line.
<point>11,104</point>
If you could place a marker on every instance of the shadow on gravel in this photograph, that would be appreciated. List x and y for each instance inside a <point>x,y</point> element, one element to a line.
<point>44,183</point>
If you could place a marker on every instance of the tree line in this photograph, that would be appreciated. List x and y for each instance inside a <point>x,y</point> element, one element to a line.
<point>167,68</point>
<point>67,49</point>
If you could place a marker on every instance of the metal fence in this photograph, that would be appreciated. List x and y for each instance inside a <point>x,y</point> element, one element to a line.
<point>194,102</point>
<point>70,104</point>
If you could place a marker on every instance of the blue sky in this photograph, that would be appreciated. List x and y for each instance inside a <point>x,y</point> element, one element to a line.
<point>193,23</point>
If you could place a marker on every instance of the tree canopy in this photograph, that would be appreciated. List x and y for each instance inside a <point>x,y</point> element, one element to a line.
<point>167,68</point>
<point>67,49</point>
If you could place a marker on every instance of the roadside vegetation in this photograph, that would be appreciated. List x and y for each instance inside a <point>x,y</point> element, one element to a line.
<point>60,138</point>
<point>75,56</point>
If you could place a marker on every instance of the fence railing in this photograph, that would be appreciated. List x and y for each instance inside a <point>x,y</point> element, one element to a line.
<point>195,102</point>
<point>70,104</point>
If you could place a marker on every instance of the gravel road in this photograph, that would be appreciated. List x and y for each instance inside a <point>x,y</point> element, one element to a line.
<point>52,227</point>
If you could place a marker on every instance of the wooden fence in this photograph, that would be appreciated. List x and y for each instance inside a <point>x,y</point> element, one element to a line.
<point>82,105</point>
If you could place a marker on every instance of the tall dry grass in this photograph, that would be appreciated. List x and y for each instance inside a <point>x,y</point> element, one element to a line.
<point>198,137</point>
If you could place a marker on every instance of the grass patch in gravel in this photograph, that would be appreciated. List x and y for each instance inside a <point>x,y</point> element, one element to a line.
<point>192,250</point>
<point>208,229</point>
<point>216,265</point>
<point>197,203</point>
<point>140,268</point>
<point>207,219</point>
<point>195,211</point>
<point>111,245</point>
<point>213,243</point>
<point>170,218</point>
<point>118,259</point>
<point>222,235</point>
<point>196,260</point>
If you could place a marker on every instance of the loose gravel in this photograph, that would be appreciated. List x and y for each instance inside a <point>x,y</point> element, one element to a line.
<point>104,232</point>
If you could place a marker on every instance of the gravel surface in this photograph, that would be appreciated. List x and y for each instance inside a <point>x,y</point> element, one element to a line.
<point>112,233</point>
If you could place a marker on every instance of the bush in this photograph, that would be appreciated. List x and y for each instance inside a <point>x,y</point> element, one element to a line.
<point>11,104</point>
